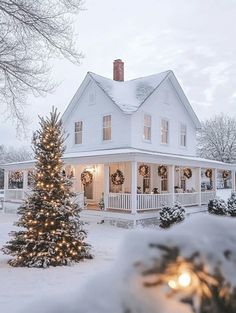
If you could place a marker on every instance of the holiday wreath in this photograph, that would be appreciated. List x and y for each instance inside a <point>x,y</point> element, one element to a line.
<point>225,174</point>
<point>188,173</point>
<point>208,173</point>
<point>144,170</point>
<point>117,178</point>
<point>162,170</point>
<point>86,178</point>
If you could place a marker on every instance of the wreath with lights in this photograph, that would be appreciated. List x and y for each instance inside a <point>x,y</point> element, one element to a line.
<point>188,173</point>
<point>162,170</point>
<point>225,174</point>
<point>117,178</point>
<point>86,178</point>
<point>144,170</point>
<point>208,173</point>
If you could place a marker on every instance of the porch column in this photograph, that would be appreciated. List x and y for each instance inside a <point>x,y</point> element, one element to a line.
<point>171,182</point>
<point>6,177</point>
<point>106,185</point>
<point>134,187</point>
<point>215,179</point>
<point>198,185</point>
<point>25,179</point>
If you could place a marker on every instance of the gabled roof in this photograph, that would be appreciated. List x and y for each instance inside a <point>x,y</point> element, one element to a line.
<point>129,95</point>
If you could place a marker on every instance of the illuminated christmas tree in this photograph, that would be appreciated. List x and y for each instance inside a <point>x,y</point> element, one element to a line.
<point>51,231</point>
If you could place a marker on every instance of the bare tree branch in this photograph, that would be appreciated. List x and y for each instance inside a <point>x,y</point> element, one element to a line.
<point>32,32</point>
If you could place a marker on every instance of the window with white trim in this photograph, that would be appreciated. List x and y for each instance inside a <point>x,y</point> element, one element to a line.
<point>107,127</point>
<point>183,135</point>
<point>78,132</point>
<point>147,125</point>
<point>164,131</point>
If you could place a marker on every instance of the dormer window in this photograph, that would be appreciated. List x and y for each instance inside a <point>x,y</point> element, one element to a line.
<point>164,131</point>
<point>78,132</point>
<point>183,135</point>
<point>106,127</point>
<point>147,124</point>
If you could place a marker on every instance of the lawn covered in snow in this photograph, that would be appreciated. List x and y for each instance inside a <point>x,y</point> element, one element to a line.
<point>114,281</point>
<point>18,286</point>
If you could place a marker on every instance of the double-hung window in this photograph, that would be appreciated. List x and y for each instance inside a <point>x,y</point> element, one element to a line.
<point>183,135</point>
<point>164,131</point>
<point>107,127</point>
<point>147,126</point>
<point>78,132</point>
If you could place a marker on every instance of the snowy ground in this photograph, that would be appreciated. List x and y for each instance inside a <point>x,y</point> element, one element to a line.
<point>18,286</point>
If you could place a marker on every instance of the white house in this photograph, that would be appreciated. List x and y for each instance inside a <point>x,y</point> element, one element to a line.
<point>132,143</point>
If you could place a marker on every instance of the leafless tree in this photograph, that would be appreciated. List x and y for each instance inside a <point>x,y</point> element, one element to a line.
<point>32,32</point>
<point>217,139</point>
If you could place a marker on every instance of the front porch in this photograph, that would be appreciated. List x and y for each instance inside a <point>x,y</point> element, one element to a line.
<point>130,183</point>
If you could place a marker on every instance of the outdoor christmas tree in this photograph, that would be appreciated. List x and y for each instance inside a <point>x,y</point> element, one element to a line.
<point>51,231</point>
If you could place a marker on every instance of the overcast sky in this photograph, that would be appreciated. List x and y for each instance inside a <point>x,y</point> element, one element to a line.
<point>194,38</point>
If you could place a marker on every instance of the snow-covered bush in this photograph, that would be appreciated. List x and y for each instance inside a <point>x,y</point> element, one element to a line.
<point>171,215</point>
<point>151,274</point>
<point>232,204</point>
<point>217,206</point>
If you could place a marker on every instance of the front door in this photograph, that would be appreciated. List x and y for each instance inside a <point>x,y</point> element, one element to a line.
<point>88,191</point>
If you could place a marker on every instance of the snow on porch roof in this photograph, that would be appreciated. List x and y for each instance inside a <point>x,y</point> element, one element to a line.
<point>129,95</point>
<point>112,154</point>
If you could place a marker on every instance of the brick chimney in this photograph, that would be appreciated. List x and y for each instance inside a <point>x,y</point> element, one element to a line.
<point>118,70</point>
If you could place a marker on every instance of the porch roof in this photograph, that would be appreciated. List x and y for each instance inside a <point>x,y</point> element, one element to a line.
<point>128,154</point>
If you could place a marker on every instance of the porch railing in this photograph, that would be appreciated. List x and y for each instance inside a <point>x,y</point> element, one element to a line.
<point>206,196</point>
<point>152,201</point>
<point>14,194</point>
<point>187,199</point>
<point>119,201</point>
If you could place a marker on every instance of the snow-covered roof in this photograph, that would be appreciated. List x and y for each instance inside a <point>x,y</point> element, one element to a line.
<point>129,95</point>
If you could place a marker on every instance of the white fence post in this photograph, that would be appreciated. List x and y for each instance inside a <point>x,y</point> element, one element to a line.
<point>134,187</point>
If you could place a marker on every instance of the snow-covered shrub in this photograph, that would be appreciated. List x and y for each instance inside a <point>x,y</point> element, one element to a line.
<point>142,278</point>
<point>217,206</point>
<point>232,204</point>
<point>171,215</point>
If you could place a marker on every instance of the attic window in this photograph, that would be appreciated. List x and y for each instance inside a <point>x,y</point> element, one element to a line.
<point>91,98</point>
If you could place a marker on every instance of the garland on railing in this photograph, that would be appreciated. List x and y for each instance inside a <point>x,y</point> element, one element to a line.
<point>117,178</point>
<point>162,170</point>
<point>86,178</point>
<point>208,173</point>
<point>144,170</point>
<point>187,173</point>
